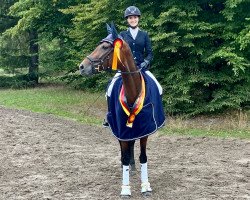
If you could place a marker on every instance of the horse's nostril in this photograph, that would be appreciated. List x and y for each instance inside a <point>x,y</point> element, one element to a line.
<point>81,66</point>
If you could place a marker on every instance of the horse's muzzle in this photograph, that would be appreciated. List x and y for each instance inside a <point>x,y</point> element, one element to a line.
<point>85,70</point>
<point>81,68</point>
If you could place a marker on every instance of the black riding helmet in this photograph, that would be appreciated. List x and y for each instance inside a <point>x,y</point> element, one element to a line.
<point>132,10</point>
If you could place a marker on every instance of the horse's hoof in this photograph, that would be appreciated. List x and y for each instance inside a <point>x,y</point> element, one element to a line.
<point>126,192</point>
<point>146,194</point>
<point>125,196</point>
<point>146,190</point>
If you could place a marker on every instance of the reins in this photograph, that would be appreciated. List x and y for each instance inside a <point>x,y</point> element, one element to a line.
<point>92,103</point>
<point>137,71</point>
<point>97,98</point>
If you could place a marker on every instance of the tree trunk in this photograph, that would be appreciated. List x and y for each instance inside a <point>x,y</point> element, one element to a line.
<point>33,68</point>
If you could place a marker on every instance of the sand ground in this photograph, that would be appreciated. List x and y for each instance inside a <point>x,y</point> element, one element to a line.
<point>45,157</point>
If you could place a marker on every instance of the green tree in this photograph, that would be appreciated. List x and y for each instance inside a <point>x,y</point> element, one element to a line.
<point>43,24</point>
<point>12,49</point>
<point>198,57</point>
<point>89,24</point>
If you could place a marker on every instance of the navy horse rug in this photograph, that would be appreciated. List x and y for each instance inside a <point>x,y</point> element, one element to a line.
<point>145,117</point>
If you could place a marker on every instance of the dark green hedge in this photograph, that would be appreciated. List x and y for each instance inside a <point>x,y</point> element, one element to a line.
<point>16,82</point>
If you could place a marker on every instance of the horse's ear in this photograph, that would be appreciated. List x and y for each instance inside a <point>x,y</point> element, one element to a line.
<point>108,29</point>
<point>114,31</point>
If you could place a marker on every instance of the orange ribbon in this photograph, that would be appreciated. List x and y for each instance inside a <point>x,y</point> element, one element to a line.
<point>116,55</point>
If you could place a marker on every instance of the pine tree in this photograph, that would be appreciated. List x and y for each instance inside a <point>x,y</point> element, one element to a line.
<point>197,58</point>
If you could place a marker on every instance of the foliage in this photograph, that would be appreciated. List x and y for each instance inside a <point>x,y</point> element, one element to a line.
<point>16,82</point>
<point>89,25</point>
<point>200,61</point>
<point>14,52</point>
<point>201,48</point>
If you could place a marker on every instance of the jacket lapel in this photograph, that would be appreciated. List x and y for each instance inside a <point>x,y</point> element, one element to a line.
<point>138,34</point>
<point>129,34</point>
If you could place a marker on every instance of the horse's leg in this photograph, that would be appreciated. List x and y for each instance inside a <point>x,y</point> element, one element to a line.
<point>121,153</point>
<point>132,157</point>
<point>145,185</point>
<point>126,192</point>
<point>131,145</point>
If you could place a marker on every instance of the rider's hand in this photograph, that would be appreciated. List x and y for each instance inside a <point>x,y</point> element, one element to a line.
<point>144,65</point>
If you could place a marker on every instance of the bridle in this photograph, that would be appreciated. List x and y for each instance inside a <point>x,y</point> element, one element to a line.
<point>97,63</point>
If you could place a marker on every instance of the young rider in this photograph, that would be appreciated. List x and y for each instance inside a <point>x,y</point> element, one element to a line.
<point>137,39</point>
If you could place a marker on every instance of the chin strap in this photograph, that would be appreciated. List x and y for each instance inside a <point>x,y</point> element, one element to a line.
<point>133,27</point>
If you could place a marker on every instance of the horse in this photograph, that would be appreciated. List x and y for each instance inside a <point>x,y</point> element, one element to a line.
<point>129,118</point>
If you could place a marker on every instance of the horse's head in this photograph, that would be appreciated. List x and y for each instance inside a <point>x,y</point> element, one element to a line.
<point>101,58</point>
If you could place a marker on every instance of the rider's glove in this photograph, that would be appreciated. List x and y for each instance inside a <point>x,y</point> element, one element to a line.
<point>144,65</point>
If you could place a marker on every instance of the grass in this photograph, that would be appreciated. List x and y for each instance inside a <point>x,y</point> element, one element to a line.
<point>91,108</point>
<point>59,101</point>
<point>235,125</point>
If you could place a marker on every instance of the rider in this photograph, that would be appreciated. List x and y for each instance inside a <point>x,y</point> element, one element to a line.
<point>139,42</point>
<point>137,39</point>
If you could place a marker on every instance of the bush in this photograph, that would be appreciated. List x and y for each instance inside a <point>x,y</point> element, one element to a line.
<point>16,82</point>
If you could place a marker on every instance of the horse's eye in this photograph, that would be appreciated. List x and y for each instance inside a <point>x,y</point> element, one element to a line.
<point>105,47</point>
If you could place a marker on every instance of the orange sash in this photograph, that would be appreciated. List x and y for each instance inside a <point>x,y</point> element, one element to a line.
<point>138,105</point>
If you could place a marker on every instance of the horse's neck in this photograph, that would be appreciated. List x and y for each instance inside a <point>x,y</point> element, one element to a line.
<point>131,81</point>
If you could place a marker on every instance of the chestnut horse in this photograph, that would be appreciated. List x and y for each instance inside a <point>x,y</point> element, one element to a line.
<point>114,51</point>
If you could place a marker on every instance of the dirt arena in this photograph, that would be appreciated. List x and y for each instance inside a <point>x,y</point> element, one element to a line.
<point>43,157</point>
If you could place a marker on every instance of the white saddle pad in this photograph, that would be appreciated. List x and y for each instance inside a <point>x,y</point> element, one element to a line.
<point>118,74</point>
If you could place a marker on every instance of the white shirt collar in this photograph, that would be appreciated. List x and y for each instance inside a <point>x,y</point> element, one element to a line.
<point>134,32</point>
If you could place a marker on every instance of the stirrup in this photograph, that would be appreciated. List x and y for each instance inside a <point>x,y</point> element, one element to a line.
<point>126,192</point>
<point>105,123</point>
<point>145,188</point>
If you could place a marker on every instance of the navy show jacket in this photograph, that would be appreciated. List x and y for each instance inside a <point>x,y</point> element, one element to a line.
<point>140,46</point>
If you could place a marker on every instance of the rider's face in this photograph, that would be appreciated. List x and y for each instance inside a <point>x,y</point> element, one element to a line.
<point>133,20</point>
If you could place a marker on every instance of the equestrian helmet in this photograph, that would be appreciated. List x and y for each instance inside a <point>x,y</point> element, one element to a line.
<point>132,10</point>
